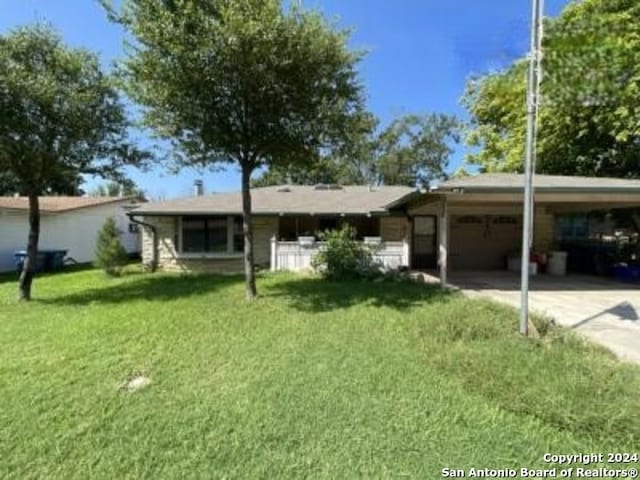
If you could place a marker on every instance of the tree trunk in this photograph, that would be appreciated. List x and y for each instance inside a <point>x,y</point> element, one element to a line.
<point>26,276</point>
<point>249,268</point>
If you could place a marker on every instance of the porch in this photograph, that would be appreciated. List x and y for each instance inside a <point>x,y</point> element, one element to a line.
<point>297,255</point>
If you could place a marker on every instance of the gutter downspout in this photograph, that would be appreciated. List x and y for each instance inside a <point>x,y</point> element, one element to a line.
<point>154,235</point>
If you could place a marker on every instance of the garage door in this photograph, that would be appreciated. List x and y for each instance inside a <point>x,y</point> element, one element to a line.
<point>482,242</point>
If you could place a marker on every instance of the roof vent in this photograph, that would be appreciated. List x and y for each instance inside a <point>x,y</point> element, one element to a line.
<point>327,186</point>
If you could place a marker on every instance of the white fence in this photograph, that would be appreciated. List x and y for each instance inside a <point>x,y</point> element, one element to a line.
<point>297,255</point>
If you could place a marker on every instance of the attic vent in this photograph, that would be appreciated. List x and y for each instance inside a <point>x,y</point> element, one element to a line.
<point>327,186</point>
<point>284,189</point>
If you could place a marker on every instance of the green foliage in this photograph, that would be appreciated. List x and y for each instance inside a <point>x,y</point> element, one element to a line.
<point>590,113</point>
<point>239,81</point>
<point>10,185</point>
<point>412,150</point>
<point>60,115</point>
<point>110,254</point>
<point>343,257</point>
<point>125,187</point>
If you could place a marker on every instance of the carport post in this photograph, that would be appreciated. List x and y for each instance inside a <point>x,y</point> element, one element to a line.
<point>535,59</point>
<point>444,240</point>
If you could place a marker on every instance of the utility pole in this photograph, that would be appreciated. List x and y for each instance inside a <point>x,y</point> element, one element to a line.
<point>533,97</point>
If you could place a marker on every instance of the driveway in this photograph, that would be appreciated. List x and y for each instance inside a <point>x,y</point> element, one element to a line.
<point>606,311</point>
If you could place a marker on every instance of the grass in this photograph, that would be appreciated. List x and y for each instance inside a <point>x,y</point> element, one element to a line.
<point>315,379</point>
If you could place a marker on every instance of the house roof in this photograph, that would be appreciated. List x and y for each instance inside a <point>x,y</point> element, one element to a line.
<point>507,182</point>
<point>59,204</point>
<point>288,199</point>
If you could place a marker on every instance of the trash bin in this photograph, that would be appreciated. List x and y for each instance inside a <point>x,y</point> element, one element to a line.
<point>557,264</point>
<point>54,259</point>
<point>46,260</point>
<point>39,266</point>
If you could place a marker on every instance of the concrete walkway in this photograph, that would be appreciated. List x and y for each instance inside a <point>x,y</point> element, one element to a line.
<point>603,310</point>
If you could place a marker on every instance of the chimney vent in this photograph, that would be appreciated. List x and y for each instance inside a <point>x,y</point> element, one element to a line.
<point>198,188</point>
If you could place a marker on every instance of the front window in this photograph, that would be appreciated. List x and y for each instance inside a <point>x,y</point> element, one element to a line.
<point>215,234</point>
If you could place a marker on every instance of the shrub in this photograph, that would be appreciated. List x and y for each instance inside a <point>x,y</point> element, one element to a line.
<point>110,254</point>
<point>343,257</point>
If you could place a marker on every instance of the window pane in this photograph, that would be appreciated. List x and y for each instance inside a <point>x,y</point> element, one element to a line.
<point>238,235</point>
<point>217,238</point>
<point>193,235</point>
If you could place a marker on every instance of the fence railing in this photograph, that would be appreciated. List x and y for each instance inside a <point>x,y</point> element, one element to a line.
<point>297,255</point>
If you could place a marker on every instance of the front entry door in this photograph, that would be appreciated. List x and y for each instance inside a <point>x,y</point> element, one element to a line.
<point>424,242</point>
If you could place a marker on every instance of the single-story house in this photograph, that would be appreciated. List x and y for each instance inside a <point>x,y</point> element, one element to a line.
<point>66,223</point>
<point>469,223</point>
<point>205,232</point>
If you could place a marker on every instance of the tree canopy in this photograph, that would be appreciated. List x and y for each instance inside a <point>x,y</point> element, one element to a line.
<point>60,117</point>
<point>412,150</point>
<point>246,82</point>
<point>589,118</point>
<point>125,187</point>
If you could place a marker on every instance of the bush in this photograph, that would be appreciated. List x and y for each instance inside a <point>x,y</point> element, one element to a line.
<point>343,257</point>
<point>110,254</point>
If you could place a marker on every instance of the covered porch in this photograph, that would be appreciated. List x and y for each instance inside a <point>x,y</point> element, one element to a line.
<point>298,239</point>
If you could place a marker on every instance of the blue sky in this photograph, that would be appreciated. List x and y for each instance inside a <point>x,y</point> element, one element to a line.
<point>420,54</point>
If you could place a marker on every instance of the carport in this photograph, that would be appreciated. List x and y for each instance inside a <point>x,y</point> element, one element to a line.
<point>479,218</point>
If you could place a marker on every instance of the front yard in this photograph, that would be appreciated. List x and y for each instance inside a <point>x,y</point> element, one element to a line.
<point>315,379</point>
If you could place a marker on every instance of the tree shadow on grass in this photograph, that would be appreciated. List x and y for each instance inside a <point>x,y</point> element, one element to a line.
<point>13,277</point>
<point>152,288</point>
<point>318,295</point>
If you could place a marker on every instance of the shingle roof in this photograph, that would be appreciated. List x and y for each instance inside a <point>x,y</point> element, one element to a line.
<point>59,204</point>
<point>512,182</point>
<point>290,199</point>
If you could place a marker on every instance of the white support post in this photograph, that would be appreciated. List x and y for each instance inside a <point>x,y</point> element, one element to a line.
<point>444,241</point>
<point>405,252</point>
<point>274,253</point>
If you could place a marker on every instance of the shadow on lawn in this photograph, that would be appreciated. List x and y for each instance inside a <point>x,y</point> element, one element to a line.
<point>152,288</point>
<point>317,295</point>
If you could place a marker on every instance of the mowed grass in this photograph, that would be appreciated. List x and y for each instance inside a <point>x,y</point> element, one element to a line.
<point>313,380</point>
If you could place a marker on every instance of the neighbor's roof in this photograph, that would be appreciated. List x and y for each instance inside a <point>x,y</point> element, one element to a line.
<point>59,204</point>
<point>503,182</point>
<point>288,199</point>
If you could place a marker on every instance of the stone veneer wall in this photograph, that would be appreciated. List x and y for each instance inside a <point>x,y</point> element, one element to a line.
<point>169,258</point>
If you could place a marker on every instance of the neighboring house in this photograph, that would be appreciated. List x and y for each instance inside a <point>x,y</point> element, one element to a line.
<point>66,223</point>
<point>471,223</point>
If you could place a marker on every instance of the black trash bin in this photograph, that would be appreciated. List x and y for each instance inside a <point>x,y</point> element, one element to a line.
<point>54,259</point>
<point>39,266</point>
<point>46,260</point>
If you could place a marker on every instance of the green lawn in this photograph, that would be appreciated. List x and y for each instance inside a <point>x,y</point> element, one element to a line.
<point>314,379</point>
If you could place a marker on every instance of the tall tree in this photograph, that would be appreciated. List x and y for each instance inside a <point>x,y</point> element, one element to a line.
<point>589,121</point>
<point>412,150</point>
<point>60,117</point>
<point>239,81</point>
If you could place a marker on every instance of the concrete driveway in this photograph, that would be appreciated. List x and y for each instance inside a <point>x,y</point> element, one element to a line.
<point>606,311</point>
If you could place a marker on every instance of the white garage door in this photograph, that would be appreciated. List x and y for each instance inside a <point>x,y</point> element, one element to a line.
<point>482,242</point>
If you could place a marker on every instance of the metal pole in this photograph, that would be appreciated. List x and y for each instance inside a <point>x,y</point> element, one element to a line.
<point>532,110</point>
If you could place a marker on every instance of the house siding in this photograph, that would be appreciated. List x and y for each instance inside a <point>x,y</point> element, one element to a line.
<point>75,231</point>
<point>395,229</point>
<point>170,259</point>
<point>543,229</point>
